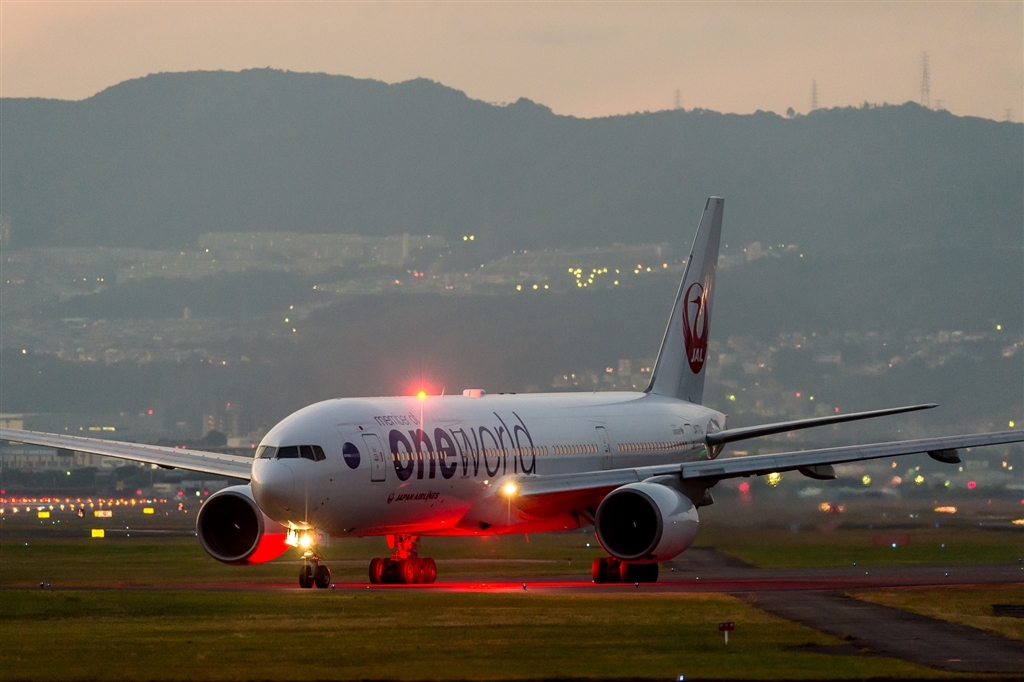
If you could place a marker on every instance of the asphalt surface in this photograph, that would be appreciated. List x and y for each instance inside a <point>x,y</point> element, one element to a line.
<point>812,597</point>
<point>895,633</point>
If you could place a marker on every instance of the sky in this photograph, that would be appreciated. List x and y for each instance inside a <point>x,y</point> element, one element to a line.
<point>583,58</point>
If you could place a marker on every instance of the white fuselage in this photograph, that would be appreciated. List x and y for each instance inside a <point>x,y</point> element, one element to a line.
<point>420,465</point>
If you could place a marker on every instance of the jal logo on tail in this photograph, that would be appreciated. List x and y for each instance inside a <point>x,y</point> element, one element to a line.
<point>695,326</point>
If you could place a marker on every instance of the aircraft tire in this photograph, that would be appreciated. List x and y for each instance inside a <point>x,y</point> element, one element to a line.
<point>407,571</point>
<point>322,577</point>
<point>638,573</point>
<point>376,571</point>
<point>306,576</point>
<point>421,571</point>
<point>430,569</point>
<point>599,570</point>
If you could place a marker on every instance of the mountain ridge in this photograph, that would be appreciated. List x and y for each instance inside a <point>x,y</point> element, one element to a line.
<point>157,161</point>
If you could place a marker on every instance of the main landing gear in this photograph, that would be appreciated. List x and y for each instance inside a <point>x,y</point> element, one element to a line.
<point>611,570</point>
<point>404,566</point>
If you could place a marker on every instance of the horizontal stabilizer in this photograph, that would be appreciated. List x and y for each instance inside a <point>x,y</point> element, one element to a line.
<point>732,435</point>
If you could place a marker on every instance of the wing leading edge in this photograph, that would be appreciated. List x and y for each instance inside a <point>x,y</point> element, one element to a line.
<point>220,464</point>
<point>545,492</point>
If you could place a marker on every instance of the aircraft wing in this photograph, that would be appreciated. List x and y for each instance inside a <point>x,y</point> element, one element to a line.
<point>546,494</point>
<point>220,464</point>
<point>756,465</point>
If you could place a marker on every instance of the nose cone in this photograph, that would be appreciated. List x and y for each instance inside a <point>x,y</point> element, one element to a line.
<point>273,486</point>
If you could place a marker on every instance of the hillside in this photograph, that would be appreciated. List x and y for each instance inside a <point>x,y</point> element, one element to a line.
<point>157,161</point>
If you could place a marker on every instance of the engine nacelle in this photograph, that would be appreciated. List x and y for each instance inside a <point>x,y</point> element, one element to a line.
<point>646,522</point>
<point>233,529</point>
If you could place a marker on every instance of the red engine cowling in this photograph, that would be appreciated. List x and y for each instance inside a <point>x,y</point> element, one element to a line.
<point>646,522</point>
<point>233,529</point>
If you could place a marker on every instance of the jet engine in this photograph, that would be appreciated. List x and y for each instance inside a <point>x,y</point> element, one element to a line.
<point>646,522</point>
<point>233,529</point>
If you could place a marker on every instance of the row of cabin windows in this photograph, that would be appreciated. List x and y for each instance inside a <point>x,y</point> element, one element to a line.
<point>647,447</point>
<point>313,453</point>
<point>536,451</point>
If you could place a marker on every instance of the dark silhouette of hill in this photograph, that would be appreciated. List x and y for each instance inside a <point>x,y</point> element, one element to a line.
<point>159,160</point>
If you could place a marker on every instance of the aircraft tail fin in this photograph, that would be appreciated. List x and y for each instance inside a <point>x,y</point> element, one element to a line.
<point>679,370</point>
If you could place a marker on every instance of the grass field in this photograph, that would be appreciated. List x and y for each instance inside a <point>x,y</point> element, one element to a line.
<point>780,548</point>
<point>405,634</point>
<point>966,605</point>
<point>113,611</point>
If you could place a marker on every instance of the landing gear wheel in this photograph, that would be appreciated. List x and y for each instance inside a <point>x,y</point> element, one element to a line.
<point>407,571</point>
<point>306,576</point>
<point>429,571</point>
<point>421,571</point>
<point>404,566</point>
<point>599,570</point>
<point>638,573</point>
<point>322,577</point>
<point>376,571</point>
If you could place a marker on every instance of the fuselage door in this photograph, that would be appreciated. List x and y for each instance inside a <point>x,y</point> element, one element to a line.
<point>378,468</point>
<point>606,447</point>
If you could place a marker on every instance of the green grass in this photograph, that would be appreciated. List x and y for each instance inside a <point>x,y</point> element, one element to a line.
<point>966,605</point>
<point>777,548</point>
<point>147,561</point>
<point>405,634</point>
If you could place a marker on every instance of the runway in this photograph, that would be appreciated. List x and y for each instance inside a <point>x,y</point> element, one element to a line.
<point>815,598</point>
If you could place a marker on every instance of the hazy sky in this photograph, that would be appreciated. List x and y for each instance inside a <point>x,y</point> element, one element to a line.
<point>579,58</point>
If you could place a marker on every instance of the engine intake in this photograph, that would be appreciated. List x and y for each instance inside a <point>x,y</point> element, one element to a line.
<point>234,530</point>
<point>646,522</point>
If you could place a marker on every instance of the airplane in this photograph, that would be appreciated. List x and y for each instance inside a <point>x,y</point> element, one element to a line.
<point>634,465</point>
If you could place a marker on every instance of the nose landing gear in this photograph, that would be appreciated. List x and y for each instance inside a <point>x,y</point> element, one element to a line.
<point>404,566</point>
<point>313,572</point>
<point>611,570</point>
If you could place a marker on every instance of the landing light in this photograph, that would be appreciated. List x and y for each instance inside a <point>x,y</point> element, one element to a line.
<point>422,395</point>
<point>509,489</point>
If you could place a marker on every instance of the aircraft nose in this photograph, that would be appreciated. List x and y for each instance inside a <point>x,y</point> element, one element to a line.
<point>273,486</point>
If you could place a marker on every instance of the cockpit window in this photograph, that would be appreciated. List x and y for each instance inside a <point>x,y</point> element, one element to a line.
<point>266,452</point>
<point>314,453</point>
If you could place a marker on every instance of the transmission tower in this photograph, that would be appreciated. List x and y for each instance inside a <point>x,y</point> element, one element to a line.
<point>814,95</point>
<point>926,91</point>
